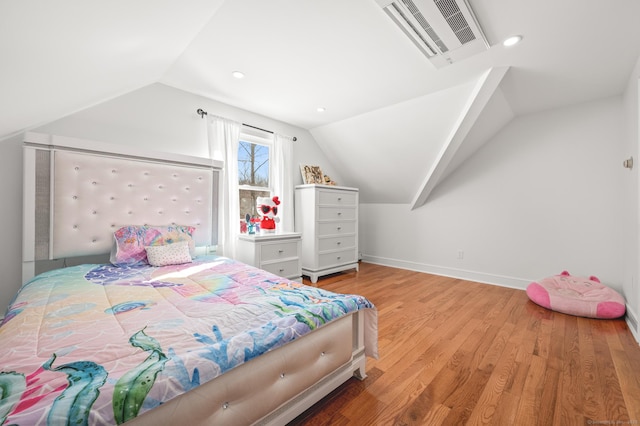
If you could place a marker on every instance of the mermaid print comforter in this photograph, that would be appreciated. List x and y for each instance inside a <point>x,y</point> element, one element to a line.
<point>99,344</point>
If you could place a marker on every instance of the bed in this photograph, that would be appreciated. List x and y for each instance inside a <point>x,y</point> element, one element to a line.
<point>205,341</point>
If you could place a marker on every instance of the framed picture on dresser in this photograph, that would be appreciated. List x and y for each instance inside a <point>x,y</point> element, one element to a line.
<point>311,174</point>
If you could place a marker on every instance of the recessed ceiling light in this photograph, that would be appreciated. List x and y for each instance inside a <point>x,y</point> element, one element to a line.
<point>320,109</point>
<point>512,40</point>
<point>238,74</point>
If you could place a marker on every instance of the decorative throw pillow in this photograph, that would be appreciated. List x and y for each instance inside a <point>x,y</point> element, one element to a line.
<point>130,241</point>
<point>169,254</point>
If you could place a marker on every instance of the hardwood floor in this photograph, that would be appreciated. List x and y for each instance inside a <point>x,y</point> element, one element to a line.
<point>455,352</point>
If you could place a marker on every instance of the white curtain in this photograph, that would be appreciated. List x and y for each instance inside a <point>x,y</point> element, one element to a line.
<point>282,180</point>
<point>224,136</point>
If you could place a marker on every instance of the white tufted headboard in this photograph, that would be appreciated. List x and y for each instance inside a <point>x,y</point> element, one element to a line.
<point>78,192</point>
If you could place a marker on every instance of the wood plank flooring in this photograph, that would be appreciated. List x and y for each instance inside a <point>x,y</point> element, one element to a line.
<point>455,352</point>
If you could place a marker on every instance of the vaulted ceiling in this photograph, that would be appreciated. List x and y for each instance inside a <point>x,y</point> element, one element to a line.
<point>385,103</point>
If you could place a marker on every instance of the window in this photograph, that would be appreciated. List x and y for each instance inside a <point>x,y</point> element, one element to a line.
<point>254,152</point>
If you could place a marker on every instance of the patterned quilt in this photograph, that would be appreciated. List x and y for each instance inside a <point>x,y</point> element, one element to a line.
<point>99,344</point>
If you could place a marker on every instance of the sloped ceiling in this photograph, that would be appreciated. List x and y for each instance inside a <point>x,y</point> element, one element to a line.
<point>60,57</point>
<point>388,151</point>
<point>346,56</point>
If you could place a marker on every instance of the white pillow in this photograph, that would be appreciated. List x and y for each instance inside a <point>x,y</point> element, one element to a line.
<point>169,254</point>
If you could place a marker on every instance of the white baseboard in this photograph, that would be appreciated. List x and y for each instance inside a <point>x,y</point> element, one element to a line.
<point>632,322</point>
<point>481,277</point>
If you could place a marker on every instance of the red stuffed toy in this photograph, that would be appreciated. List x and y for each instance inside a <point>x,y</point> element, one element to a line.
<point>268,209</point>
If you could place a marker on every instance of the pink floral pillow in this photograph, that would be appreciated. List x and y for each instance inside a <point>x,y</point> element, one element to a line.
<point>130,242</point>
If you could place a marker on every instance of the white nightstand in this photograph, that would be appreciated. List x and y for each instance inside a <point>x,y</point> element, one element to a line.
<point>277,253</point>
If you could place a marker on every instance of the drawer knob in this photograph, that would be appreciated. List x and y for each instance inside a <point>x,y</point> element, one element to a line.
<point>280,251</point>
<point>339,257</point>
<point>339,198</point>
<point>339,213</point>
<point>339,242</point>
<point>339,228</point>
<point>281,269</point>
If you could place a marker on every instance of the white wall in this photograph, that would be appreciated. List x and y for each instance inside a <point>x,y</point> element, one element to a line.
<point>11,214</point>
<point>544,195</point>
<point>156,117</point>
<point>632,200</point>
<point>162,118</point>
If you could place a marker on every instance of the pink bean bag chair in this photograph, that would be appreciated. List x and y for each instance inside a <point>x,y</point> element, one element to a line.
<point>585,297</point>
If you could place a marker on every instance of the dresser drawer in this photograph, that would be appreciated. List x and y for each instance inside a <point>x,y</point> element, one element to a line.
<point>336,213</point>
<point>336,243</point>
<point>287,268</point>
<point>337,197</point>
<point>335,258</point>
<point>279,250</point>
<point>336,228</point>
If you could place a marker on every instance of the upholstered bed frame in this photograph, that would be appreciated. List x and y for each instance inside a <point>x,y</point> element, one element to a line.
<point>77,192</point>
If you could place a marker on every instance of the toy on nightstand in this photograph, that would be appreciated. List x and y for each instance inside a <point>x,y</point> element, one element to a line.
<point>250,224</point>
<point>268,209</point>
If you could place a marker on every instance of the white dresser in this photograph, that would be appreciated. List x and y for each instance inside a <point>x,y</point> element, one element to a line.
<point>276,253</point>
<point>327,218</point>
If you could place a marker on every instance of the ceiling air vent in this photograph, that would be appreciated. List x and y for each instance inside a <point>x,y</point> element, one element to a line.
<point>446,31</point>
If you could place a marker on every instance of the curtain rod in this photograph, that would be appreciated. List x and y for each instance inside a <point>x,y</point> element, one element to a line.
<point>202,113</point>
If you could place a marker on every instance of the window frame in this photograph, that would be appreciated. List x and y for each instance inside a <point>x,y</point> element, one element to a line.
<point>257,137</point>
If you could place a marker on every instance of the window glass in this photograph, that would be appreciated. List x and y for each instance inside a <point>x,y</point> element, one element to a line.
<point>253,164</point>
<point>253,175</point>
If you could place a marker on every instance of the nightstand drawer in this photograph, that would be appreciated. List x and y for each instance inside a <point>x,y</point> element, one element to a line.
<point>287,268</point>
<point>279,250</point>
<point>337,197</point>
<point>336,243</point>
<point>336,228</point>
<point>336,258</point>
<point>276,253</point>
<point>336,213</point>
